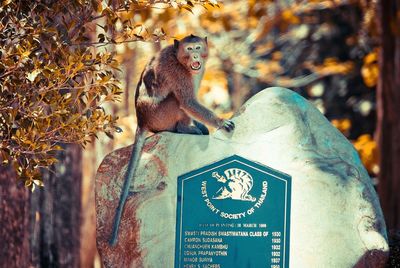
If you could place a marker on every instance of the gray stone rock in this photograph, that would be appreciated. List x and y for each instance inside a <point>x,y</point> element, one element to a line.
<point>336,219</point>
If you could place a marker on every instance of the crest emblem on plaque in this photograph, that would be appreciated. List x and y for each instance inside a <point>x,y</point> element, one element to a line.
<point>230,209</point>
<point>231,192</point>
<point>237,185</point>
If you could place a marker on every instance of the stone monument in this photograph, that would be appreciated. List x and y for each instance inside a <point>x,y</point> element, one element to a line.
<point>285,189</point>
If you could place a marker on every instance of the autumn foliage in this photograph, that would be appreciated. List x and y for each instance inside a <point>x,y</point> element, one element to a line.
<point>61,63</point>
<point>51,90</point>
<point>55,78</point>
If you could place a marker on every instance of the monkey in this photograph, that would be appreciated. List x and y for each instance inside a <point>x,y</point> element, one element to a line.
<point>165,101</point>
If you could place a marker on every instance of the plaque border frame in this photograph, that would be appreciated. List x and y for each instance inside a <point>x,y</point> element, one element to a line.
<point>286,178</point>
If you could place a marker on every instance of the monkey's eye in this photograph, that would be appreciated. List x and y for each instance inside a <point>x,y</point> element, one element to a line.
<point>189,48</point>
<point>198,47</point>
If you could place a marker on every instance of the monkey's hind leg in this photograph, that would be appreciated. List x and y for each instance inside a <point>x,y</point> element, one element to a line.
<point>202,127</point>
<point>183,128</point>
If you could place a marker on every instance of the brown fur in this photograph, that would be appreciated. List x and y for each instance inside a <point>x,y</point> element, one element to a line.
<point>165,96</point>
<point>165,101</point>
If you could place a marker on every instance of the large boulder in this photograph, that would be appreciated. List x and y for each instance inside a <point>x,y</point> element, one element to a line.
<point>336,219</point>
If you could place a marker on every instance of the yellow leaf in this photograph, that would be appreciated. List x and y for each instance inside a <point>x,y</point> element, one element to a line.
<point>25,54</point>
<point>368,151</point>
<point>331,66</point>
<point>174,4</point>
<point>67,95</point>
<point>277,55</point>
<point>371,57</point>
<point>370,74</point>
<point>38,183</point>
<point>5,2</point>
<point>32,76</point>
<point>268,67</point>
<point>370,69</point>
<point>343,125</point>
<point>264,47</point>
<point>290,17</point>
<point>161,5</point>
<point>253,22</point>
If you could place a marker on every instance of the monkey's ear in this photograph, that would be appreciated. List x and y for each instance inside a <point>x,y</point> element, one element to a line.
<point>176,44</point>
<point>205,40</point>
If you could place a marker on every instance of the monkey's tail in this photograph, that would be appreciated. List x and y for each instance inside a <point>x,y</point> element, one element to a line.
<point>130,172</point>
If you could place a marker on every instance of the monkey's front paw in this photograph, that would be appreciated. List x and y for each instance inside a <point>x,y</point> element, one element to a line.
<point>228,125</point>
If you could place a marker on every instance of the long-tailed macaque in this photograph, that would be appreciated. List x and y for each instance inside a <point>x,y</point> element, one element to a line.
<point>165,101</point>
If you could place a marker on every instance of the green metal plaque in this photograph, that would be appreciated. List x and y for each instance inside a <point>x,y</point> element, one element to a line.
<point>233,213</point>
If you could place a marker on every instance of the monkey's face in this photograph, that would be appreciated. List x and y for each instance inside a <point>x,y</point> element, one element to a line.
<point>193,55</point>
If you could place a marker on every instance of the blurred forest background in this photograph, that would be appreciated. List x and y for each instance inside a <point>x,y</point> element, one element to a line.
<point>69,69</point>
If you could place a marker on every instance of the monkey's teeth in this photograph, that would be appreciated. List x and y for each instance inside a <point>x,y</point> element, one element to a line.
<point>195,66</point>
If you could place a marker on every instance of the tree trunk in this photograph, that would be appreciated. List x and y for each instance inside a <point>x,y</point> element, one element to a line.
<point>238,89</point>
<point>88,216</point>
<point>388,106</point>
<point>42,229</point>
<point>14,220</point>
<point>130,87</point>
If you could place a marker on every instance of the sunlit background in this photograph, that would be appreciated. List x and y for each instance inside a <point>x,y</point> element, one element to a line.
<point>326,50</point>
<point>323,50</point>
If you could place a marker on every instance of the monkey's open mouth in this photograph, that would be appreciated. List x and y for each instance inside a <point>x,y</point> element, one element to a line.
<point>195,65</point>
